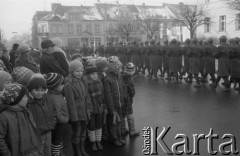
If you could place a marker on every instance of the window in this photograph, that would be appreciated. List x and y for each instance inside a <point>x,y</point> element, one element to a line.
<point>222,23</point>
<point>79,28</point>
<point>207,24</point>
<point>97,29</point>
<point>238,21</point>
<point>89,28</point>
<point>70,29</point>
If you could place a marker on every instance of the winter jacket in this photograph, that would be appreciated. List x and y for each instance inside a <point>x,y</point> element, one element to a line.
<point>18,133</point>
<point>115,92</point>
<point>48,64</point>
<point>175,53</point>
<point>59,105</point>
<point>96,94</point>
<point>78,100</point>
<point>43,113</point>
<point>60,56</point>
<point>28,62</point>
<point>128,82</point>
<point>235,62</point>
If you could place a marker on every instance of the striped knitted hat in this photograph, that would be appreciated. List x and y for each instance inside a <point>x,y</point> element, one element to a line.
<point>130,68</point>
<point>54,80</point>
<point>22,75</point>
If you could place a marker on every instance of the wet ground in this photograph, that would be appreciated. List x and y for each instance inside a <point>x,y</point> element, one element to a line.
<point>187,110</point>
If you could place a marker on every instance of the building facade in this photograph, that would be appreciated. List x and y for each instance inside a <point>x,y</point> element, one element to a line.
<point>89,25</point>
<point>220,20</point>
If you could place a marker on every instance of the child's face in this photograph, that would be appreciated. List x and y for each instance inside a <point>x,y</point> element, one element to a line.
<point>78,73</point>
<point>38,93</point>
<point>94,76</point>
<point>59,88</point>
<point>23,102</point>
<point>1,67</point>
<point>7,83</point>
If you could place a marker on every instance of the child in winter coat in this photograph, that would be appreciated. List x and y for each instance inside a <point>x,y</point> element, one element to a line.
<point>42,111</point>
<point>55,86</point>
<point>18,132</point>
<point>96,93</point>
<point>79,106</point>
<point>127,77</point>
<point>102,67</point>
<point>114,97</point>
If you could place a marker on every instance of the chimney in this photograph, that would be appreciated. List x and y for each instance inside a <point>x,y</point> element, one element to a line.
<point>54,6</point>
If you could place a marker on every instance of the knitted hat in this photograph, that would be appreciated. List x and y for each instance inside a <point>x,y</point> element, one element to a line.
<point>91,68</point>
<point>74,65</point>
<point>22,75</point>
<point>54,80</point>
<point>114,67</point>
<point>13,94</point>
<point>4,76</point>
<point>113,58</point>
<point>101,63</point>
<point>23,48</point>
<point>37,81</point>
<point>130,68</point>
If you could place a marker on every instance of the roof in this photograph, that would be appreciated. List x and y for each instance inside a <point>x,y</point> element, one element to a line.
<point>86,12</point>
<point>114,11</point>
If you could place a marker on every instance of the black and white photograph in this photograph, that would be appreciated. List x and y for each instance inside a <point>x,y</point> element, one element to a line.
<point>119,77</point>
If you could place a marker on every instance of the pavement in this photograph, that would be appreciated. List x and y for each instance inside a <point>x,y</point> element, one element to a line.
<point>184,108</point>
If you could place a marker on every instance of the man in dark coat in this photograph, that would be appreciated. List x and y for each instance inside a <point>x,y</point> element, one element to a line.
<point>121,50</point>
<point>202,59</point>
<point>146,58</point>
<point>223,54</point>
<point>153,51</point>
<point>186,68</point>
<point>134,50</point>
<point>235,62</point>
<point>195,54</point>
<point>174,52</point>
<point>165,59</point>
<point>210,49</point>
<point>48,64</point>
<point>109,50</point>
<point>13,53</point>
<point>159,57</point>
<point>100,50</point>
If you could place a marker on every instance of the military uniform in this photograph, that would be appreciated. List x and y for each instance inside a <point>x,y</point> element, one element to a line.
<point>121,51</point>
<point>223,54</point>
<point>209,59</point>
<point>174,52</point>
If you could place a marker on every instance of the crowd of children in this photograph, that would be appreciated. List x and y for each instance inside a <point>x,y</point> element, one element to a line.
<point>95,99</point>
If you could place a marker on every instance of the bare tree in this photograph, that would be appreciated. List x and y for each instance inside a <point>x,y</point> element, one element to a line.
<point>233,4</point>
<point>151,26</point>
<point>191,16</point>
<point>111,34</point>
<point>125,28</point>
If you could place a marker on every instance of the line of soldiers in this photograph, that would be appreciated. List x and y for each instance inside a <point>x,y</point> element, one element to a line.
<point>196,59</point>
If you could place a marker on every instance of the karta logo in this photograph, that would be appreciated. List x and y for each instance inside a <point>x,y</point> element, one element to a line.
<point>154,140</point>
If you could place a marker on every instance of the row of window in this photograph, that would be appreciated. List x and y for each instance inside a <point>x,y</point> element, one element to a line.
<point>58,29</point>
<point>222,23</point>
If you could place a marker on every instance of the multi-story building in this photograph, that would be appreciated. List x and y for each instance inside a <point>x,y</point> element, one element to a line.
<point>220,20</point>
<point>89,25</point>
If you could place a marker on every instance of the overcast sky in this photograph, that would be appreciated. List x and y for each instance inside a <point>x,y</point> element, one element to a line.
<point>16,15</point>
